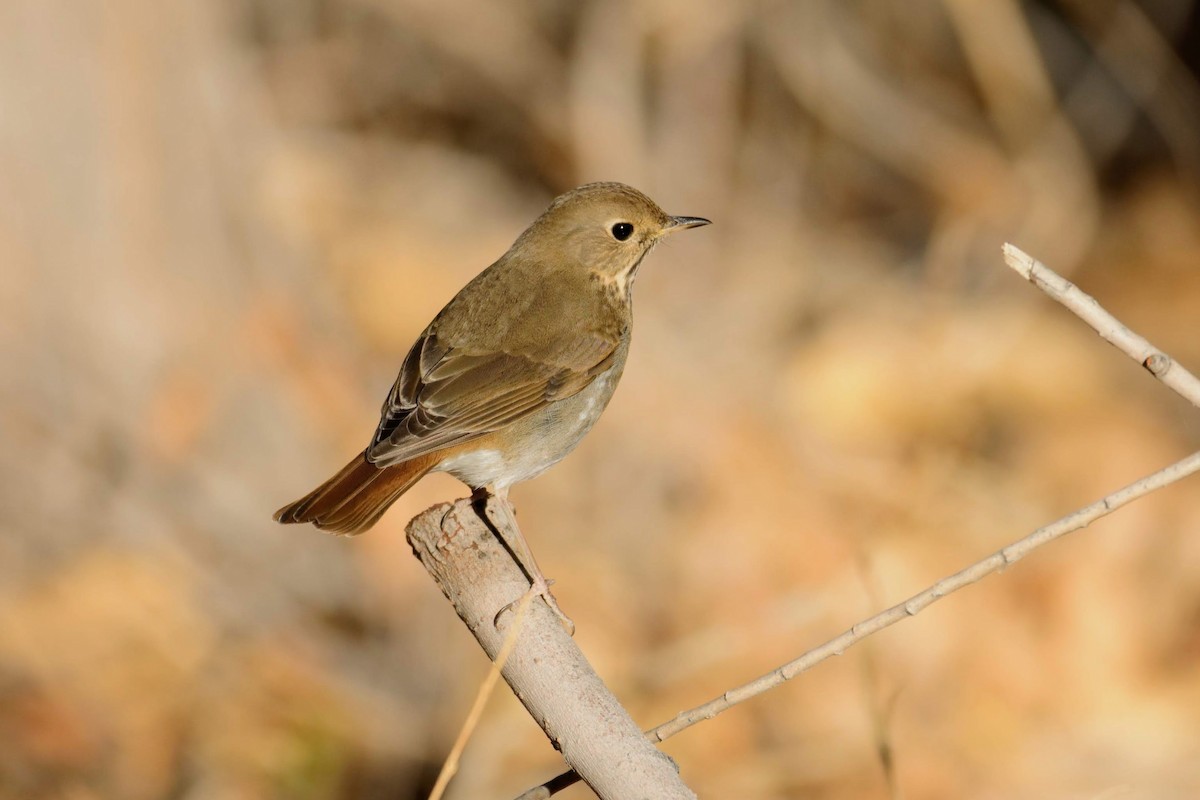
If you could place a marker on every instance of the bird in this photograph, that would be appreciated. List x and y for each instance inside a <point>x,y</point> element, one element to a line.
<point>513,372</point>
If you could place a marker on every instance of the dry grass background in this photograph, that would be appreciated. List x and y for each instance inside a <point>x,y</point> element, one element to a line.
<point>222,224</point>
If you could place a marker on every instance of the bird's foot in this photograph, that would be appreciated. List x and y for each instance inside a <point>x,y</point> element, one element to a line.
<point>540,588</point>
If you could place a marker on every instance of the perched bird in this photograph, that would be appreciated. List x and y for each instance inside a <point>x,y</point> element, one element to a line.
<point>514,371</point>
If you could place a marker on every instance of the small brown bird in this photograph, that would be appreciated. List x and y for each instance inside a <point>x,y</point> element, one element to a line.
<point>514,371</point>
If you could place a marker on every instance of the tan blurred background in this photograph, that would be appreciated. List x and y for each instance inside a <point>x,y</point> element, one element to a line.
<point>222,223</point>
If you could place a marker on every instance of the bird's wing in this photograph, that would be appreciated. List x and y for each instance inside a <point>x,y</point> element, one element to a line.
<point>446,395</point>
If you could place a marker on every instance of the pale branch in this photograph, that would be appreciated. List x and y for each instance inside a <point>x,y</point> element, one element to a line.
<point>1161,365</point>
<point>546,669</point>
<point>1084,306</point>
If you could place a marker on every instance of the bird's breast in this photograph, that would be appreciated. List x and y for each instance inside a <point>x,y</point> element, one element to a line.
<point>533,444</point>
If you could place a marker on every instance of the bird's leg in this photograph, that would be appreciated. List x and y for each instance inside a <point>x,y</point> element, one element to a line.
<point>500,512</point>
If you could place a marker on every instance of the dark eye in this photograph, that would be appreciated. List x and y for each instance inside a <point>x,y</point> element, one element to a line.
<point>622,231</point>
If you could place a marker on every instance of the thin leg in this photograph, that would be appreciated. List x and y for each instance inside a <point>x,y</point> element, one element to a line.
<point>500,512</point>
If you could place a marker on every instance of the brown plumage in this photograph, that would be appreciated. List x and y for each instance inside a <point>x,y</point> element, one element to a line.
<point>515,369</point>
<point>355,498</point>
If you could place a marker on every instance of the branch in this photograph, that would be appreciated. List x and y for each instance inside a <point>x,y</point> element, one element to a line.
<point>1160,365</point>
<point>546,670</point>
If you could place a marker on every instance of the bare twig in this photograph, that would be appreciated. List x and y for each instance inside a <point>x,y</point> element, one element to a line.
<point>546,670</point>
<point>1160,365</point>
<point>922,600</point>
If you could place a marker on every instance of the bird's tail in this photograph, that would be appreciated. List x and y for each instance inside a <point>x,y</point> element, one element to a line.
<point>355,498</point>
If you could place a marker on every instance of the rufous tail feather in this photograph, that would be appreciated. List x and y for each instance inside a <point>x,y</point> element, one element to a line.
<point>354,499</point>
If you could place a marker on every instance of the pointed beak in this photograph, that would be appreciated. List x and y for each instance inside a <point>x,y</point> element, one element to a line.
<point>683,223</point>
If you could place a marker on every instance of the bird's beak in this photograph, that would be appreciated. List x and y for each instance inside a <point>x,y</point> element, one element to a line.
<point>683,223</point>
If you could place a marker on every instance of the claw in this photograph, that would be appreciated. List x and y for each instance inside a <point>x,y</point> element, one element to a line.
<point>540,588</point>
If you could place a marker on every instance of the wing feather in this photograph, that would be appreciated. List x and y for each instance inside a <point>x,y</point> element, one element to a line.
<point>446,396</point>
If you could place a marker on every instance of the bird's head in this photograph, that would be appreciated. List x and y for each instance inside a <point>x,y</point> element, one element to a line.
<point>603,228</point>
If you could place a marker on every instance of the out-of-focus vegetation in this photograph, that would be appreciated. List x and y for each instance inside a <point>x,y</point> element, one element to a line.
<point>222,223</point>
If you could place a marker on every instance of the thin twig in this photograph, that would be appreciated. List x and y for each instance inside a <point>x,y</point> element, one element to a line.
<point>922,600</point>
<point>1159,364</point>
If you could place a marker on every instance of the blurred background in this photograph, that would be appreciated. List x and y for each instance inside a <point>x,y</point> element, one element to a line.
<point>223,223</point>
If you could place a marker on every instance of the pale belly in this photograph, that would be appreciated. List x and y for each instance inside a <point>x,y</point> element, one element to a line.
<point>537,442</point>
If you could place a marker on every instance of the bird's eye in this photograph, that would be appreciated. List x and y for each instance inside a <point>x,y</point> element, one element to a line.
<point>622,231</point>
